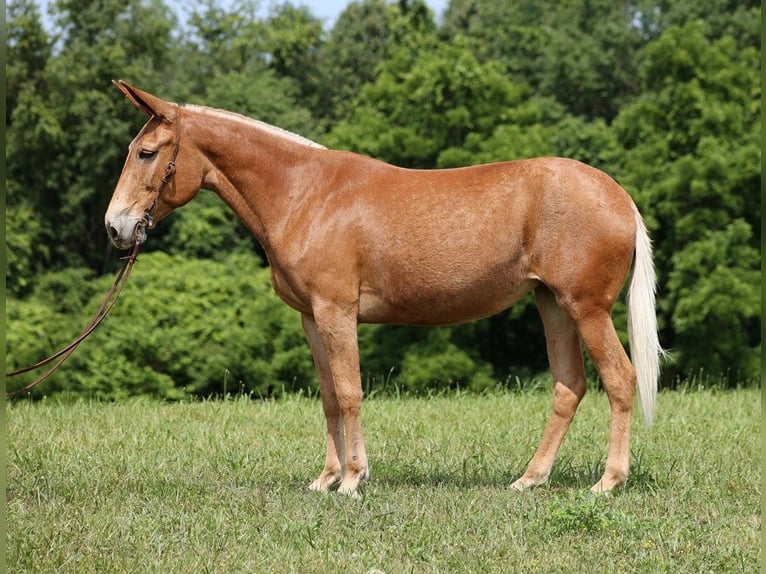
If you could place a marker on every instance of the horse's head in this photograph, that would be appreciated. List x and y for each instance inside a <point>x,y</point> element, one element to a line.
<point>149,187</point>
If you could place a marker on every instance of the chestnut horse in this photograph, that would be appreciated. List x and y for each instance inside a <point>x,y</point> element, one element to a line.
<point>350,239</point>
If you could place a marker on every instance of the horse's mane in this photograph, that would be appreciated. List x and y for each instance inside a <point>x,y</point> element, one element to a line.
<point>274,130</point>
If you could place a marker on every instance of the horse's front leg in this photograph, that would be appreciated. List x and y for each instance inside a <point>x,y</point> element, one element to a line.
<point>336,448</point>
<point>332,336</point>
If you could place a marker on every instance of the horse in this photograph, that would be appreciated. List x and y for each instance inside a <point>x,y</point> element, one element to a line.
<point>350,239</point>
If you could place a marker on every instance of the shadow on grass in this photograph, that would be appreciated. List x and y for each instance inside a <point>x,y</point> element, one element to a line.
<point>566,474</point>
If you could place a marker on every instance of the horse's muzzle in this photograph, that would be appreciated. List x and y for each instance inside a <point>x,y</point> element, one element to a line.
<point>125,232</point>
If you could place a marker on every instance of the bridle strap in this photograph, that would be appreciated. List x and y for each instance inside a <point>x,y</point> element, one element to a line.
<point>170,167</point>
<point>170,171</point>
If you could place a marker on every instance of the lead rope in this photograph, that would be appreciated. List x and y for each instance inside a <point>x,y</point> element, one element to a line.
<point>111,298</point>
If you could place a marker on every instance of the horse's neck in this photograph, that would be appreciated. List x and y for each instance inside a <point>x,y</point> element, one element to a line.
<point>256,169</point>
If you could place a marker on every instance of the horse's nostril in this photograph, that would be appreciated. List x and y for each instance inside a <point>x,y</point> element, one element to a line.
<point>112,232</point>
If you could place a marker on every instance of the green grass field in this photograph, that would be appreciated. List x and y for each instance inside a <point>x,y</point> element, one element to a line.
<point>221,487</point>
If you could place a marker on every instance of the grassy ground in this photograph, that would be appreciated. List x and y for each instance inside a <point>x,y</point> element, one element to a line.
<point>221,487</point>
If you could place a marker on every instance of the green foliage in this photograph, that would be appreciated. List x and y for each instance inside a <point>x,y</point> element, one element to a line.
<point>182,326</point>
<point>580,53</point>
<point>355,46</point>
<point>436,360</point>
<point>264,96</point>
<point>25,249</point>
<point>716,284</point>
<point>256,68</point>
<point>206,229</point>
<point>665,96</point>
<point>423,103</point>
<point>293,39</point>
<point>28,50</point>
<point>692,157</point>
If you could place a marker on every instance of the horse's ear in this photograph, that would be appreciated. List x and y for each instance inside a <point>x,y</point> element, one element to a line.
<point>146,102</point>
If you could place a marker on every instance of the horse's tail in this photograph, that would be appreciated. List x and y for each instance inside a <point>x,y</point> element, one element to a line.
<point>645,346</point>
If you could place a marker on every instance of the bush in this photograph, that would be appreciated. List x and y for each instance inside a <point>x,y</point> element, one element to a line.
<point>182,326</point>
<point>437,360</point>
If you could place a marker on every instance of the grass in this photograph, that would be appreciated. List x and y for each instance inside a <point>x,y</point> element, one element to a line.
<point>221,487</point>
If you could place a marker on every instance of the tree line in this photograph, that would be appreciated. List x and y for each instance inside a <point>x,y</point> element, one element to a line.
<point>664,96</point>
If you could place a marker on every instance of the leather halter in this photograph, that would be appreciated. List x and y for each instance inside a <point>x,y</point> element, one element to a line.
<point>170,167</point>
<point>170,170</point>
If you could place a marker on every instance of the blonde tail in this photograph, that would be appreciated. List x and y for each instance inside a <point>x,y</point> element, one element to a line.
<point>645,346</point>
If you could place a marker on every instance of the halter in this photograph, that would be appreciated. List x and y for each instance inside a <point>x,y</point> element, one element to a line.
<point>170,170</point>
<point>170,167</point>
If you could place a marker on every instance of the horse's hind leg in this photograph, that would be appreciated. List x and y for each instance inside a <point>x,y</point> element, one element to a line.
<point>565,357</point>
<point>619,379</point>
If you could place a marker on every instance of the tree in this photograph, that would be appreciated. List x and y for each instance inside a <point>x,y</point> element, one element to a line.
<point>219,42</point>
<point>692,157</point>
<point>29,49</point>
<point>294,38</point>
<point>425,102</point>
<point>738,19</point>
<point>580,52</point>
<point>69,126</point>
<point>716,285</point>
<point>662,95</point>
<point>364,35</point>
<point>588,64</point>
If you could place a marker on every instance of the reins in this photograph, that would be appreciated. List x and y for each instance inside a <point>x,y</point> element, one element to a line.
<point>114,292</point>
<point>106,305</point>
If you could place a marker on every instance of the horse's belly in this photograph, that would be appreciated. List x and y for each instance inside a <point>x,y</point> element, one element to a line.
<point>429,304</point>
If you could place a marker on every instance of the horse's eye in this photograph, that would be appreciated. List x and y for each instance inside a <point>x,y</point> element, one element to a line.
<point>146,154</point>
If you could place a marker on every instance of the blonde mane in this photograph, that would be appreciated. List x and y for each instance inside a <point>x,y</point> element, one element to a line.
<point>273,130</point>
